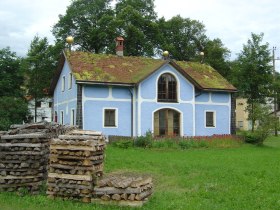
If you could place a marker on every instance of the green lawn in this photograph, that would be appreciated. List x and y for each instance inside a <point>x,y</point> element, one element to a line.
<point>247,177</point>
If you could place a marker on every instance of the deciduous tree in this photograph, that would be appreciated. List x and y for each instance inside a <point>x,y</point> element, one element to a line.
<point>254,72</point>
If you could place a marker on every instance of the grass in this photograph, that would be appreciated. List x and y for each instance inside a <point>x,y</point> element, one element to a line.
<point>245,177</point>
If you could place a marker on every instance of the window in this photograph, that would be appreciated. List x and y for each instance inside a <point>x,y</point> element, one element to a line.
<point>110,118</point>
<point>210,119</point>
<point>167,88</point>
<point>63,84</point>
<point>55,116</point>
<point>70,81</point>
<point>38,103</point>
<point>61,117</point>
<point>72,116</point>
<point>240,124</point>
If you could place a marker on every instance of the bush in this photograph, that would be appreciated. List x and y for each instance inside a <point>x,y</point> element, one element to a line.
<point>124,144</point>
<point>144,141</point>
<point>256,137</point>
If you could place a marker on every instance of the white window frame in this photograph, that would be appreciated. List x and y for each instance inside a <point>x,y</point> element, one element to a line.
<point>70,81</point>
<point>72,122</point>
<point>116,117</point>
<point>214,119</point>
<point>61,117</point>
<point>63,84</point>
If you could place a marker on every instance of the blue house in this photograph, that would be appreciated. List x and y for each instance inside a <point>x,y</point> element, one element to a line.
<point>128,96</point>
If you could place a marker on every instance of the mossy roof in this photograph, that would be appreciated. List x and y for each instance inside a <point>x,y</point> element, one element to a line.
<point>101,68</point>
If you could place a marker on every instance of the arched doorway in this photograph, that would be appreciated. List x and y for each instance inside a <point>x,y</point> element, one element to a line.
<point>166,122</point>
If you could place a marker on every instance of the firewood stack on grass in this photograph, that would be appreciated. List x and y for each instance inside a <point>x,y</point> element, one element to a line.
<point>76,161</point>
<point>130,190</point>
<point>24,151</point>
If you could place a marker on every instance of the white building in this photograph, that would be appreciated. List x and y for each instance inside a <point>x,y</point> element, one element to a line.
<point>44,110</point>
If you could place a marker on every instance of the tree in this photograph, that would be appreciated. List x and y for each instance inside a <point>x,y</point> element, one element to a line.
<point>182,37</point>
<point>217,56</point>
<point>10,76</point>
<point>136,22</point>
<point>13,108</point>
<point>254,71</point>
<point>91,23</point>
<point>38,67</point>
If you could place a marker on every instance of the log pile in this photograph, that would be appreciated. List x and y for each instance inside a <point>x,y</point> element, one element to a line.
<point>76,160</point>
<point>23,161</point>
<point>24,153</point>
<point>126,190</point>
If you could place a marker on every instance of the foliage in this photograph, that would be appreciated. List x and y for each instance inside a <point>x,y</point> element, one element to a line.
<point>254,72</point>
<point>13,107</point>
<point>38,68</point>
<point>182,37</point>
<point>12,111</point>
<point>11,78</point>
<point>124,144</point>
<point>217,55</point>
<point>136,22</point>
<point>144,141</point>
<point>266,123</point>
<point>91,23</point>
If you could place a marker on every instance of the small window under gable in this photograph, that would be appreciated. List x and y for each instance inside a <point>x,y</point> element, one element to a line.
<point>63,84</point>
<point>210,119</point>
<point>70,79</point>
<point>110,118</point>
<point>61,117</point>
<point>167,88</point>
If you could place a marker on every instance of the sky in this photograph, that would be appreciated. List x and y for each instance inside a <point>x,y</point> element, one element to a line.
<point>232,21</point>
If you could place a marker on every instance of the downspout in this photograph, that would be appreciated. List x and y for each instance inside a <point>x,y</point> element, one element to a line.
<point>132,111</point>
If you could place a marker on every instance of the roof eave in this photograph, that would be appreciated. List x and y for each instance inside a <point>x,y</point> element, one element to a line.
<point>219,90</point>
<point>57,73</point>
<point>120,84</point>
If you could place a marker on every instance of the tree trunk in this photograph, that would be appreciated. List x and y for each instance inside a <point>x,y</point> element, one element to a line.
<point>253,119</point>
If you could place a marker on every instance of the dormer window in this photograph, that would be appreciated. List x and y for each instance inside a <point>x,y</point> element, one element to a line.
<point>167,88</point>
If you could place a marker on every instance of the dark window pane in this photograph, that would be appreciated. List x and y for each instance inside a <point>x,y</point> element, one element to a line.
<point>210,119</point>
<point>110,117</point>
<point>38,103</point>
<point>167,88</point>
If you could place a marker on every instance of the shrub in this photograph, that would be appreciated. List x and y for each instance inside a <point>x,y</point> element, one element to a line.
<point>144,141</point>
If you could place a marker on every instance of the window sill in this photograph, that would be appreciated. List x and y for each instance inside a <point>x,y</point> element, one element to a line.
<point>167,101</point>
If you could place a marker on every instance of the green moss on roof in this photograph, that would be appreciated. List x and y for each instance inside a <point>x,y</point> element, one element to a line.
<point>110,68</point>
<point>116,69</point>
<point>205,76</point>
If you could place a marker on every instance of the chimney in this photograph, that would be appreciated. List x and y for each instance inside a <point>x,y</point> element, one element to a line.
<point>119,46</point>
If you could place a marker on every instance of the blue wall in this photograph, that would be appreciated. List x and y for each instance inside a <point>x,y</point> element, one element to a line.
<point>220,104</point>
<point>98,98</point>
<point>65,100</point>
<point>148,104</point>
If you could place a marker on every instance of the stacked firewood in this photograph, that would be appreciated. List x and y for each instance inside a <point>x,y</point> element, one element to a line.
<point>24,153</point>
<point>123,188</point>
<point>23,161</point>
<point>76,160</point>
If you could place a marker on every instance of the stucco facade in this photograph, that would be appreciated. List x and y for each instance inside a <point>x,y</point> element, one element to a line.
<point>136,106</point>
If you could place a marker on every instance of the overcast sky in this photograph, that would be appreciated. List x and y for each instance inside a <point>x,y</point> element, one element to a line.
<point>230,20</point>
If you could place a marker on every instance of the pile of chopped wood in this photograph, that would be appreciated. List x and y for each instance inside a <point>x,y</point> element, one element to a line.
<point>76,160</point>
<point>127,190</point>
<point>23,161</point>
<point>24,153</point>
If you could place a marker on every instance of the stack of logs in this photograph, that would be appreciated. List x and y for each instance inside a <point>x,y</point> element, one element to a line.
<point>23,161</point>
<point>24,153</point>
<point>76,161</point>
<point>127,190</point>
